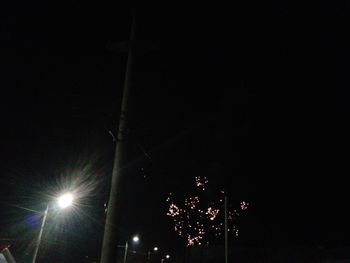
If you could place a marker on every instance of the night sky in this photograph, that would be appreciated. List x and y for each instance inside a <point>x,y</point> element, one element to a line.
<point>253,96</point>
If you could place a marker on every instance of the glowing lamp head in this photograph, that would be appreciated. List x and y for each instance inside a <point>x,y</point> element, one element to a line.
<point>167,256</point>
<point>135,239</point>
<point>155,249</point>
<point>65,200</point>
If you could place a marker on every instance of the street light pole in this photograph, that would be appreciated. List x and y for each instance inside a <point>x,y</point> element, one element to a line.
<point>63,201</point>
<point>125,251</point>
<point>37,245</point>
<point>135,239</point>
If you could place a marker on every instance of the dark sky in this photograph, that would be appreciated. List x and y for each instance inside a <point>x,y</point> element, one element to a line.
<point>255,97</point>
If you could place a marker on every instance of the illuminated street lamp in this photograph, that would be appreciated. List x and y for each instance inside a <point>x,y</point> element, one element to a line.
<point>63,202</point>
<point>166,259</point>
<point>155,249</point>
<point>136,240</point>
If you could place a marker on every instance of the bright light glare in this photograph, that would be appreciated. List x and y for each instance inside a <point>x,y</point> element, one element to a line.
<point>65,200</point>
<point>155,248</point>
<point>167,256</point>
<point>136,239</point>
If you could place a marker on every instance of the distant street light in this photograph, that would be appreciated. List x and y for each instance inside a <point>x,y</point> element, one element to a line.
<point>167,256</point>
<point>136,240</point>
<point>155,249</point>
<point>63,202</point>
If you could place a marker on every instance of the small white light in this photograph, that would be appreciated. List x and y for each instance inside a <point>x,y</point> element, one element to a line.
<point>136,239</point>
<point>65,200</point>
<point>167,256</point>
<point>155,248</point>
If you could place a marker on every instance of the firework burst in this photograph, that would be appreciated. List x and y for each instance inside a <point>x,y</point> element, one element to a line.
<point>200,220</point>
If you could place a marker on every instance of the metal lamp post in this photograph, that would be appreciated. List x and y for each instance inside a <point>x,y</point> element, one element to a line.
<point>63,202</point>
<point>135,239</point>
